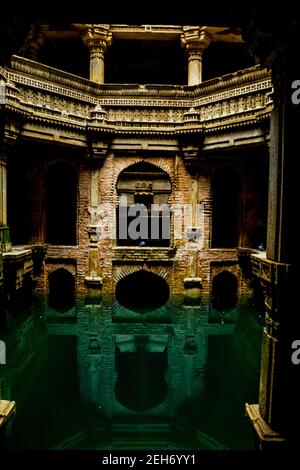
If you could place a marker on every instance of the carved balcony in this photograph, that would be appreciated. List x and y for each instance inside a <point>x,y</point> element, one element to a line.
<point>48,98</point>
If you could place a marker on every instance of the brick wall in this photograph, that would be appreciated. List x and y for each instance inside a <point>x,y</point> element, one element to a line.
<point>107,262</point>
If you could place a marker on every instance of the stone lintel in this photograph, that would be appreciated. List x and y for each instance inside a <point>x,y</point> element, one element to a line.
<point>192,282</point>
<point>93,281</point>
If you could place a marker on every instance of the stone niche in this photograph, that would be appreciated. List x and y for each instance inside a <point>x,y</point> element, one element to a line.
<point>143,183</point>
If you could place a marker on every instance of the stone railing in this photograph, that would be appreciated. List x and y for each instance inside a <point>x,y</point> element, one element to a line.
<point>42,93</point>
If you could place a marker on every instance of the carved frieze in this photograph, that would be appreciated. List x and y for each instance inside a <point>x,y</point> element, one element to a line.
<point>42,94</point>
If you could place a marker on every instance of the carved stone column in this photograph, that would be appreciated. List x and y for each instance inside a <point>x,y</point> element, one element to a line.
<point>97,38</point>
<point>93,280</point>
<point>276,418</point>
<point>195,39</point>
<point>5,244</point>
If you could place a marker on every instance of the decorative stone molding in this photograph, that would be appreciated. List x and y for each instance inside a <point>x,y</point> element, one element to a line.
<point>142,255</point>
<point>42,96</point>
<point>50,77</point>
<point>136,31</point>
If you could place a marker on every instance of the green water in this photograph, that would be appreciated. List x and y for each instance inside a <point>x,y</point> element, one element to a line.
<point>86,383</point>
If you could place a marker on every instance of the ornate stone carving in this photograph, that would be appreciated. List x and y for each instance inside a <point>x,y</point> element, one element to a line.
<point>55,99</point>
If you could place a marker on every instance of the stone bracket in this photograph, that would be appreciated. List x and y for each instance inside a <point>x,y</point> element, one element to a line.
<point>93,282</point>
<point>267,438</point>
<point>192,282</point>
<point>7,409</point>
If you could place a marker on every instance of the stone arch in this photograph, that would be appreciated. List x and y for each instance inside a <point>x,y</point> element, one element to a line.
<point>141,383</point>
<point>127,270</point>
<point>143,187</point>
<point>159,163</point>
<point>61,285</point>
<point>135,291</point>
<point>71,268</point>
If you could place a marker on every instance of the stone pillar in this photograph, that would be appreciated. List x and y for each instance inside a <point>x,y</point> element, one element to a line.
<point>276,417</point>
<point>5,244</point>
<point>3,191</point>
<point>97,38</point>
<point>93,251</point>
<point>97,61</point>
<point>194,66</point>
<point>93,280</point>
<point>278,278</point>
<point>195,39</point>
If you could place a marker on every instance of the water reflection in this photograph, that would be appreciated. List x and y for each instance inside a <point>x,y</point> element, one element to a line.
<point>85,382</point>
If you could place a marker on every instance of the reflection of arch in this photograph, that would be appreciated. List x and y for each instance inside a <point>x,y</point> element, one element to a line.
<point>224,291</point>
<point>61,203</point>
<point>61,290</point>
<point>226,186</point>
<point>142,291</point>
<point>141,383</point>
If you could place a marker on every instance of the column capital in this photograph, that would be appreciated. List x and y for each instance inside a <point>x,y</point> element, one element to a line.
<point>97,36</point>
<point>195,38</point>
